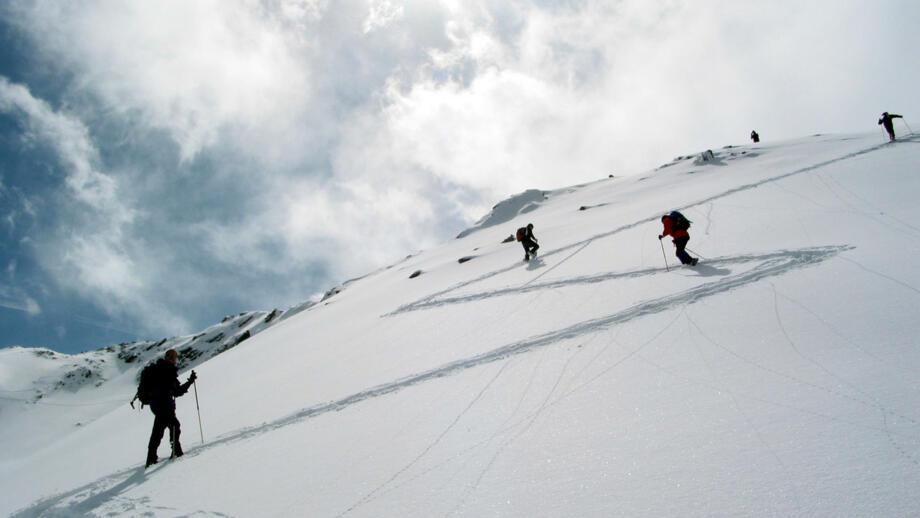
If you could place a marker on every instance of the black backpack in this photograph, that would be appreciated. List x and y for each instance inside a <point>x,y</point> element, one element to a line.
<point>147,384</point>
<point>678,221</point>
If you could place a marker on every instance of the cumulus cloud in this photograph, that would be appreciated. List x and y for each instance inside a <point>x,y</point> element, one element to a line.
<point>70,139</point>
<point>382,13</point>
<point>87,252</point>
<point>190,68</point>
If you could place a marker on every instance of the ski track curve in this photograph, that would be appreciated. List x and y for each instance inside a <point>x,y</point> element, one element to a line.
<point>772,264</point>
<point>429,302</point>
<point>708,200</point>
<point>108,488</point>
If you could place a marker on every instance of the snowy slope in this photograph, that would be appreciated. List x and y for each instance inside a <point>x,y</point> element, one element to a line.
<point>776,378</point>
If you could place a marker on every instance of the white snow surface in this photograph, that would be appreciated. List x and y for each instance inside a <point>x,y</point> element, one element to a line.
<point>779,377</point>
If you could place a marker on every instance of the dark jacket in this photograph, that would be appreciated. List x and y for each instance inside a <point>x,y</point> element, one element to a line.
<point>528,236</point>
<point>887,122</point>
<point>166,386</point>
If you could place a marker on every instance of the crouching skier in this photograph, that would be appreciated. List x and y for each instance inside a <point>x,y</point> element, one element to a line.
<point>676,225</point>
<point>528,241</point>
<point>163,390</point>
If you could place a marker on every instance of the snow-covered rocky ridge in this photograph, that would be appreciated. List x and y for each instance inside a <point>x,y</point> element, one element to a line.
<point>57,389</point>
<point>507,210</point>
<point>776,378</point>
<point>72,372</point>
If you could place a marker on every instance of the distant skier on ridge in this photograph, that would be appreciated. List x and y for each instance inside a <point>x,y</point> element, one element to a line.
<point>162,388</point>
<point>676,225</point>
<point>886,120</point>
<point>755,137</point>
<point>528,241</point>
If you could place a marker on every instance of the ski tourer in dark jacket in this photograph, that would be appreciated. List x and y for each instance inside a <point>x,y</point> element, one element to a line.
<point>886,121</point>
<point>528,241</point>
<point>680,237</point>
<point>755,137</point>
<point>164,391</point>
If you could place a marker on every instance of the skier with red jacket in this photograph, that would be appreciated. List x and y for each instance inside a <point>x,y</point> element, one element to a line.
<point>676,225</point>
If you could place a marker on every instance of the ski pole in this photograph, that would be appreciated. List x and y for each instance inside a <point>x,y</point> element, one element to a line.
<point>195,384</point>
<point>908,126</point>
<point>694,252</point>
<point>666,267</point>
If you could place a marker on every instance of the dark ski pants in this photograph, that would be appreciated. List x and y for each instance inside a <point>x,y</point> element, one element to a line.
<point>889,127</point>
<point>529,248</point>
<point>163,418</point>
<point>681,244</point>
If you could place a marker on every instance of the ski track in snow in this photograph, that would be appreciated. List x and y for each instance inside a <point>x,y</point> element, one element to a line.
<point>500,429</point>
<point>104,493</point>
<point>744,415</point>
<point>873,400</point>
<point>655,218</point>
<point>508,441</point>
<point>106,490</point>
<point>709,268</point>
<point>771,265</point>
<point>371,495</point>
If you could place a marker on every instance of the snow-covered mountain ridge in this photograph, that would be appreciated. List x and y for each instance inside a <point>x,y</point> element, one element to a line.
<point>776,378</point>
<point>72,372</point>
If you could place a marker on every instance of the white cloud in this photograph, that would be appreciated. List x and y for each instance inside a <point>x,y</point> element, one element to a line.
<point>71,141</point>
<point>191,68</point>
<point>572,93</point>
<point>91,257</point>
<point>382,13</point>
<point>11,298</point>
<point>96,262</point>
<point>303,11</point>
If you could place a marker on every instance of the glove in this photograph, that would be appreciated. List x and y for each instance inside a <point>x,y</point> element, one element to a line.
<point>192,378</point>
<point>659,237</point>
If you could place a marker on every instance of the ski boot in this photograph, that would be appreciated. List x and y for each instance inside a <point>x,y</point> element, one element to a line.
<point>176,451</point>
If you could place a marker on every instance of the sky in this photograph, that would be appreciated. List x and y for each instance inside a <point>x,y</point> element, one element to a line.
<point>165,164</point>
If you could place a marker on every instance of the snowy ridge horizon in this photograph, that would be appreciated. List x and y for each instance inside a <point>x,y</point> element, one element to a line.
<point>775,378</point>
